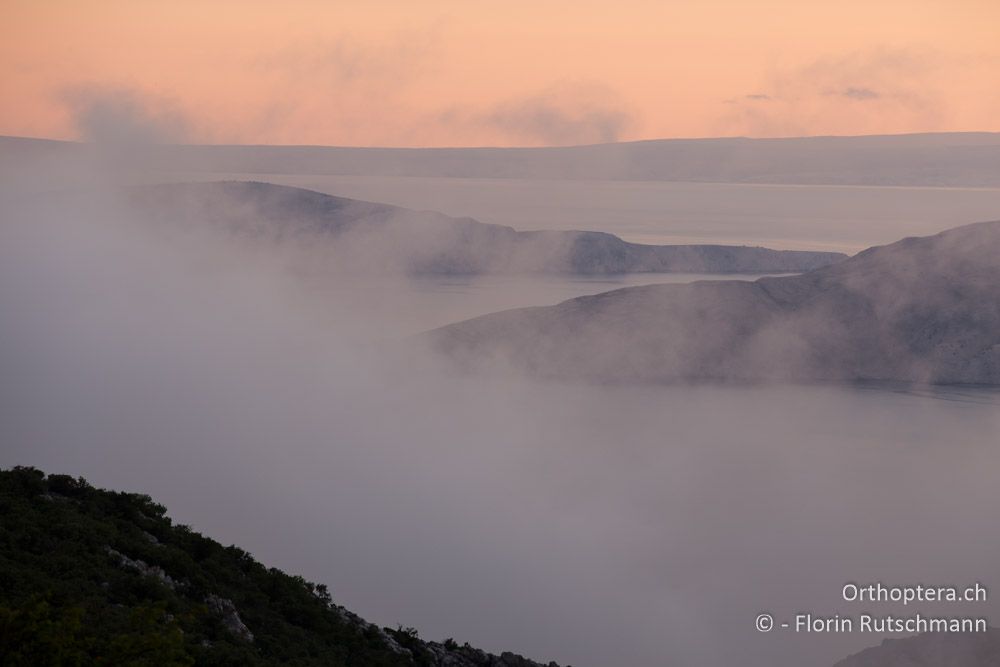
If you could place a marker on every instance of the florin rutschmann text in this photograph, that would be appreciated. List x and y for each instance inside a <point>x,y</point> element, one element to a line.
<point>878,593</point>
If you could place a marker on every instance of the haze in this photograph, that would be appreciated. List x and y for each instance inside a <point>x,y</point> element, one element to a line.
<point>273,397</point>
<point>588,525</point>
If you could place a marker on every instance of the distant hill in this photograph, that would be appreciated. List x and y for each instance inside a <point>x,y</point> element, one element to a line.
<point>932,650</point>
<point>103,578</point>
<point>937,159</point>
<point>919,310</point>
<point>366,236</point>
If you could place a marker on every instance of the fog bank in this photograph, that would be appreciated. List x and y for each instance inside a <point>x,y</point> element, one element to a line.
<point>592,526</point>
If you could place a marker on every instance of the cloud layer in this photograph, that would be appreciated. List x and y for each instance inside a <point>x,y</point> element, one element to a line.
<point>871,92</point>
<point>123,115</point>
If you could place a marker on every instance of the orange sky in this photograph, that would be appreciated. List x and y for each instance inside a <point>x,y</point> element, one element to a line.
<point>473,72</point>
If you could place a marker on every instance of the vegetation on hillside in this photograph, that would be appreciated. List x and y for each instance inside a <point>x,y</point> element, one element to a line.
<point>95,577</point>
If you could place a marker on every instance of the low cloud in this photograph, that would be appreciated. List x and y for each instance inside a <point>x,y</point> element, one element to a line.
<point>356,88</point>
<point>124,116</point>
<point>560,115</point>
<point>822,96</point>
<point>859,93</point>
<point>346,61</point>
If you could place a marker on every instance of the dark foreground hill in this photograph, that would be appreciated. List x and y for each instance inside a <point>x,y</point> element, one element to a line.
<point>370,237</point>
<point>94,577</point>
<point>932,650</point>
<point>919,310</point>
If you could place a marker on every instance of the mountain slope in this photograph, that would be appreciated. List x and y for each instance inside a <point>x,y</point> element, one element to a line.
<point>932,650</point>
<point>365,236</point>
<point>919,310</point>
<point>96,577</point>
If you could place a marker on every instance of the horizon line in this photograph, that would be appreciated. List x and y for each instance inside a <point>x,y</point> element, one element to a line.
<point>899,135</point>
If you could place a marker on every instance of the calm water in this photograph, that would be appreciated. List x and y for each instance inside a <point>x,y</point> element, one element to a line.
<point>590,526</point>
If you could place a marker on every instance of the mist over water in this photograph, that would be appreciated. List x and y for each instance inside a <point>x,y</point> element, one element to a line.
<point>794,217</point>
<point>589,525</point>
<point>426,302</point>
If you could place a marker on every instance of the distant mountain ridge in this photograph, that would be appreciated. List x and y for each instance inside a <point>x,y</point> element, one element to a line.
<point>923,310</point>
<point>959,159</point>
<point>366,236</point>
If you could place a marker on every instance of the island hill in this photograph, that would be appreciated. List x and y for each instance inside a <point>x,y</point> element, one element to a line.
<point>96,577</point>
<point>922,310</point>
<point>359,236</point>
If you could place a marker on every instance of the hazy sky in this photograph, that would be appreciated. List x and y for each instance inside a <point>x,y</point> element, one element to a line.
<point>454,72</point>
